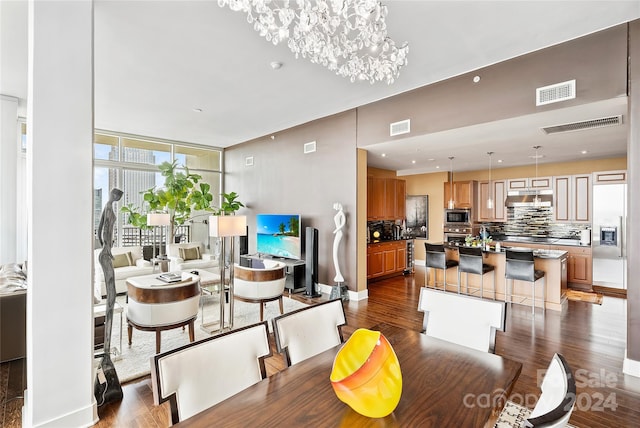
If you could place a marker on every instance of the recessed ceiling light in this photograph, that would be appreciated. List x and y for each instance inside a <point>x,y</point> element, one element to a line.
<point>431,159</point>
<point>437,166</point>
<point>197,110</point>
<point>413,161</point>
<point>584,152</point>
<point>499,160</point>
<point>476,79</point>
<point>276,65</point>
<point>384,155</point>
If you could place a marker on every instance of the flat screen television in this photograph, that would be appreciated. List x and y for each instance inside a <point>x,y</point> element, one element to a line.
<point>278,235</point>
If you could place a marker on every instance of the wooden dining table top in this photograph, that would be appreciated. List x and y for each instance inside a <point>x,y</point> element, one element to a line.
<point>444,385</point>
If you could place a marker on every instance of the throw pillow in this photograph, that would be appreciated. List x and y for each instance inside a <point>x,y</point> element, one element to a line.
<point>190,253</point>
<point>122,260</point>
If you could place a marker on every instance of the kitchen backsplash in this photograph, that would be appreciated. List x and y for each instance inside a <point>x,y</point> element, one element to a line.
<point>532,221</point>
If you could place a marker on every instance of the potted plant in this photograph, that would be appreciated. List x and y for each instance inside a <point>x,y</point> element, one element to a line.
<point>183,192</point>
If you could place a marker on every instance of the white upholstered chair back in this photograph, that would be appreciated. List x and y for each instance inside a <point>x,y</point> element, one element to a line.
<point>309,331</point>
<point>259,283</point>
<point>465,320</point>
<point>201,374</point>
<point>555,405</point>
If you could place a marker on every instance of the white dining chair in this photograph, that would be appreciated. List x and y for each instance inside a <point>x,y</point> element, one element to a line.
<point>465,320</point>
<point>309,331</point>
<point>201,374</point>
<point>555,405</point>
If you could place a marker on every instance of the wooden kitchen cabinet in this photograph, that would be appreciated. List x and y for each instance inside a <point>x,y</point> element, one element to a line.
<point>572,198</point>
<point>401,197</point>
<point>499,194</point>
<point>385,198</point>
<point>386,258</point>
<point>465,194</point>
<point>530,183</point>
<point>579,264</point>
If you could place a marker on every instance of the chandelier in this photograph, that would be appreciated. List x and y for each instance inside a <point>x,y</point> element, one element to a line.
<point>346,36</point>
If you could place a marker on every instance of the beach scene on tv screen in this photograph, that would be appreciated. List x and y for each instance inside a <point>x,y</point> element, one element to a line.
<point>278,235</point>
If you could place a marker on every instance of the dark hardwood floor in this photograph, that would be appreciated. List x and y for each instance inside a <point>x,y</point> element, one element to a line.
<point>591,337</point>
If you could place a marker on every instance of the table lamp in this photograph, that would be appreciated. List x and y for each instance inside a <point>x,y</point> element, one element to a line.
<point>222,227</point>
<point>158,219</point>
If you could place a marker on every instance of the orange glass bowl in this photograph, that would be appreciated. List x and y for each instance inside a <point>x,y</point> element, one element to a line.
<point>366,374</point>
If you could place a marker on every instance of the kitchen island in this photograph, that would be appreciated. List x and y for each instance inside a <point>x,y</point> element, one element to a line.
<point>552,262</point>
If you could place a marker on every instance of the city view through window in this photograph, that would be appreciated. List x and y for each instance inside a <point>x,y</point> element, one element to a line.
<point>131,164</point>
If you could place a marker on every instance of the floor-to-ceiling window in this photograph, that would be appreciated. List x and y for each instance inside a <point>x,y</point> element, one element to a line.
<point>130,163</point>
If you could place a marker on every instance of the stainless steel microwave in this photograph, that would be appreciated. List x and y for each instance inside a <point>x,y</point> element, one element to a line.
<point>457,217</point>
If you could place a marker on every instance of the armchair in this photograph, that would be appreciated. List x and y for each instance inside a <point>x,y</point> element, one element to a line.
<point>190,255</point>
<point>260,285</point>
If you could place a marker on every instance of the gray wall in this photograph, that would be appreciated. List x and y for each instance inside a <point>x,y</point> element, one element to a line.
<point>285,180</point>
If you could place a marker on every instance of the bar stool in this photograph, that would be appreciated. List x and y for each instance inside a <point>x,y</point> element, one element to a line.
<point>519,265</point>
<point>471,262</point>
<point>436,259</point>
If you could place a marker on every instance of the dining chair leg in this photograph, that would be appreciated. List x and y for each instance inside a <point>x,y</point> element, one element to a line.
<point>458,281</point>
<point>494,285</point>
<point>533,304</point>
<point>544,293</point>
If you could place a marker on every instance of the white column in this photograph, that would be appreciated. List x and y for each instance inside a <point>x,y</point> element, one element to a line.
<point>60,180</point>
<point>8,178</point>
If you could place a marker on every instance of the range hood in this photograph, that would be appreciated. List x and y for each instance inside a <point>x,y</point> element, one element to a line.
<point>527,198</point>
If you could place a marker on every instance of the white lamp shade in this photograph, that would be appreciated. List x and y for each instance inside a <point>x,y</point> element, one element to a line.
<point>227,225</point>
<point>158,219</point>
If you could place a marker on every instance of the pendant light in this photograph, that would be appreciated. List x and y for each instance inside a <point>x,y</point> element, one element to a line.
<point>490,198</point>
<point>452,203</point>
<point>536,198</point>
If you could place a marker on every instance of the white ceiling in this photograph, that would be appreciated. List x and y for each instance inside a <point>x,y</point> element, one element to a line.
<point>157,61</point>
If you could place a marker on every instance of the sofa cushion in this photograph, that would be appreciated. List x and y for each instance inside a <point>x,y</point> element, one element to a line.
<point>121,260</point>
<point>190,253</point>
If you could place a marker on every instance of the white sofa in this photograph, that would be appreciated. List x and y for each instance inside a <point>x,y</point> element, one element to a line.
<point>139,266</point>
<point>189,255</point>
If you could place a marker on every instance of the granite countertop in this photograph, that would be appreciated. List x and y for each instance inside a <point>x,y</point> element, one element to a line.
<point>382,241</point>
<point>571,242</point>
<point>539,253</point>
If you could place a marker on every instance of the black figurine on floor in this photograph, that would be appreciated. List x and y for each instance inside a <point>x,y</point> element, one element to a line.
<point>106,387</point>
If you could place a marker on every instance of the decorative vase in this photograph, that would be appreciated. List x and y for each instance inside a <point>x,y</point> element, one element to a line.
<point>366,374</point>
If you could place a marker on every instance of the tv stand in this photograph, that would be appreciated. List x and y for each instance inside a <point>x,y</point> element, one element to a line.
<point>294,269</point>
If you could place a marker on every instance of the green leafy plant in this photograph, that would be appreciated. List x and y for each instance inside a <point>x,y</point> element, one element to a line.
<point>182,193</point>
<point>230,204</point>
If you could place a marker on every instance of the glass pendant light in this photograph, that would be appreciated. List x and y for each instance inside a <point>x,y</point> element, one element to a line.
<point>489,198</point>
<point>536,198</point>
<point>452,203</point>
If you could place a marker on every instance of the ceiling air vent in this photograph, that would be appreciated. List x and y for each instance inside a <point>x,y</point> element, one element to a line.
<point>402,127</point>
<point>585,124</point>
<point>556,93</point>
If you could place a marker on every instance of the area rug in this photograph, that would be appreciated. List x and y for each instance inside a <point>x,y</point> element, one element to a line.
<point>584,296</point>
<point>514,415</point>
<point>134,362</point>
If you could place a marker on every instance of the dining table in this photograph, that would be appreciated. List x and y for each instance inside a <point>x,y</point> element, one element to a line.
<point>443,385</point>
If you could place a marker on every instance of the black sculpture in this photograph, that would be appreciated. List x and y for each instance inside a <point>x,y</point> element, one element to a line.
<point>107,387</point>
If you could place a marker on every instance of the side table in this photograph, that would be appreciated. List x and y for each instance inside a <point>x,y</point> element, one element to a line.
<point>162,262</point>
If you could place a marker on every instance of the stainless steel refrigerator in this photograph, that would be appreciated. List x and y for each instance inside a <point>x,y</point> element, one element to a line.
<point>608,235</point>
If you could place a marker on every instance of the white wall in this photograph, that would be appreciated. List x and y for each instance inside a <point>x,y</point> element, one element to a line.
<point>60,181</point>
<point>8,177</point>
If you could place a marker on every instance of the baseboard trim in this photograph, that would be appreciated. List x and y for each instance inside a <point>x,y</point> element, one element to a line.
<point>84,417</point>
<point>631,367</point>
<point>353,295</point>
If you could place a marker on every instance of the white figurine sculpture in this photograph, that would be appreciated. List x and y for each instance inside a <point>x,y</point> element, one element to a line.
<point>339,219</point>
